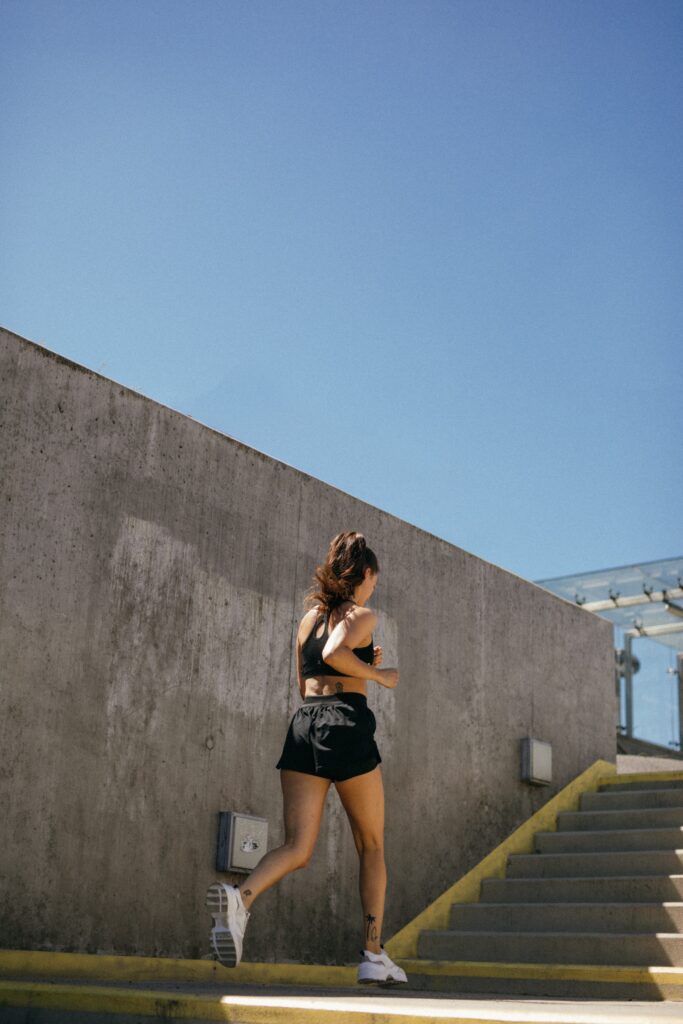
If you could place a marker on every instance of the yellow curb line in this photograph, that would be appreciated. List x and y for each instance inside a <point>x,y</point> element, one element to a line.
<point>94,967</point>
<point>105,967</point>
<point>290,1010</point>
<point>466,889</point>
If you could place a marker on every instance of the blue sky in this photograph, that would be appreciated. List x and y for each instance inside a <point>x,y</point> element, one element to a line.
<point>430,252</point>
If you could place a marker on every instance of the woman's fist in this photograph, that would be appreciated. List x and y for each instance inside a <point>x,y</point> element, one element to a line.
<point>387,677</point>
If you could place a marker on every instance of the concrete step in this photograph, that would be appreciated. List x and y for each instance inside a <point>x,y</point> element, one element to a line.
<point>597,840</point>
<point>627,888</point>
<point>567,917</point>
<point>606,864</point>
<point>556,981</point>
<point>602,893</point>
<point>556,948</point>
<point>654,817</point>
<point>613,799</point>
<point>652,784</point>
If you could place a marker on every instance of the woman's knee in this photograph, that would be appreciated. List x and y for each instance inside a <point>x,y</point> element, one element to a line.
<point>300,854</point>
<point>372,845</point>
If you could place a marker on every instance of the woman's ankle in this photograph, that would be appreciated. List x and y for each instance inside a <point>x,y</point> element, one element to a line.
<point>246,895</point>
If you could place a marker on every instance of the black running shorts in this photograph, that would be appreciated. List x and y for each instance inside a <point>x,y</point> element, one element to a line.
<point>332,736</point>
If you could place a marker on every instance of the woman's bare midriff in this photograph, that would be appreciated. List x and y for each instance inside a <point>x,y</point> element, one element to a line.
<point>325,686</point>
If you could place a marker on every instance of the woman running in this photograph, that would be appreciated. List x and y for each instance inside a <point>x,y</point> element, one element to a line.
<point>330,739</point>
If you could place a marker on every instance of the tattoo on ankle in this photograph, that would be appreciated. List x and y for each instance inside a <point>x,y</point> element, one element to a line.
<point>246,892</point>
<point>370,928</point>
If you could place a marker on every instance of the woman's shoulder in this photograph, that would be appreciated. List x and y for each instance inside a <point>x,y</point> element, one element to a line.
<point>366,614</point>
<point>306,623</point>
<point>358,613</point>
<point>312,614</point>
<point>348,610</point>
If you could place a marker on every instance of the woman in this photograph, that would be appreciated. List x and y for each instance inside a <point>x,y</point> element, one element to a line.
<point>330,739</point>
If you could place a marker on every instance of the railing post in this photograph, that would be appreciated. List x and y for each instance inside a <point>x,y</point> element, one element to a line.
<point>628,682</point>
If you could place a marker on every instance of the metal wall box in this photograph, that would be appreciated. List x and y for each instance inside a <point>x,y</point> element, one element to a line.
<point>242,841</point>
<point>537,761</point>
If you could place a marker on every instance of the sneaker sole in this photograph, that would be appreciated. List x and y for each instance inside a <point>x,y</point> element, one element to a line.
<point>224,947</point>
<point>384,982</point>
<point>387,983</point>
<point>222,942</point>
<point>217,899</point>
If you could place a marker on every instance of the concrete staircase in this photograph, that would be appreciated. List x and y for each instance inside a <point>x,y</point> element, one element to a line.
<point>604,889</point>
<point>583,901</point>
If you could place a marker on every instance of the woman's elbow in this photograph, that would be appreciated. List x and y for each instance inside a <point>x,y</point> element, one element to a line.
<point>328,655</point>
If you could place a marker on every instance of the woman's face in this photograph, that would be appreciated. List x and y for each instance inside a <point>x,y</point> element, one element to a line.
<point>368,585</point>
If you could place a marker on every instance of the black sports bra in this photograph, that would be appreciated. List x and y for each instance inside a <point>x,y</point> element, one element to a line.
<point>312,663</point>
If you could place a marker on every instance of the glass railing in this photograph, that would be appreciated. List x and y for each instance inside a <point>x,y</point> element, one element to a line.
<point>655,707</point>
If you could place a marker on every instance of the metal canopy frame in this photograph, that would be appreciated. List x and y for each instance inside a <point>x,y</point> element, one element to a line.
<point>643,600</point>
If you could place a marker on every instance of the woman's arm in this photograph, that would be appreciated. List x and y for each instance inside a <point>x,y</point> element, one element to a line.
<point>338,651</point>
<point>299,673</point>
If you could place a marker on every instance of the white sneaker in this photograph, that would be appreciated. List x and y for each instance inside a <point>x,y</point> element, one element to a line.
<point>380,968</point>
<point>230,918</point>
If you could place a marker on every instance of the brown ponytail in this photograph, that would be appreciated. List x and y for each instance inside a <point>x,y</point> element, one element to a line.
<point>335,580</point>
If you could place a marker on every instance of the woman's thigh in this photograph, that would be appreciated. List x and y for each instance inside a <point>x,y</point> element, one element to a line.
<point>363,800</point>
<point>304,801</point>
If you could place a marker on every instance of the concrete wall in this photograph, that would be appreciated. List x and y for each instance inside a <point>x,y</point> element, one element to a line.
<point>152,573</point>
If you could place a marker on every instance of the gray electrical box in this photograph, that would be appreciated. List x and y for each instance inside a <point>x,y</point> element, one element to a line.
<point>537,761</point>
<point>242,841</point>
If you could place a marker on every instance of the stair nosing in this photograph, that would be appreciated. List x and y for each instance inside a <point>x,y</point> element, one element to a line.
<point>605,831</point>
<point>602,790</point>
<point>544,935</point>
<point>565,878</point>
<point>575,903</point>
<point>593,853</point>
<point>576,878</point>
<point>623,810</point>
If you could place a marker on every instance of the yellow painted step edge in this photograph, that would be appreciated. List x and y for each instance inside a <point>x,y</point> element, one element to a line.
<point>17,963</point>
<point>466,890</point>
<point>245,1009</point>
<point>94,967</point>
<point>236,1008</point>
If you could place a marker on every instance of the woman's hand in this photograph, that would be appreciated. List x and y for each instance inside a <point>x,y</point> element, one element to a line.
<point>387,677</point>
<point>377,656</point>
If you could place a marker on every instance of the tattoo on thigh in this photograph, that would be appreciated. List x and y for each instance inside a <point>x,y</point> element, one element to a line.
<point>370,928</point>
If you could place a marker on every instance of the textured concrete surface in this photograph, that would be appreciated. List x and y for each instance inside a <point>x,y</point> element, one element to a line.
<point>152,572</point>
